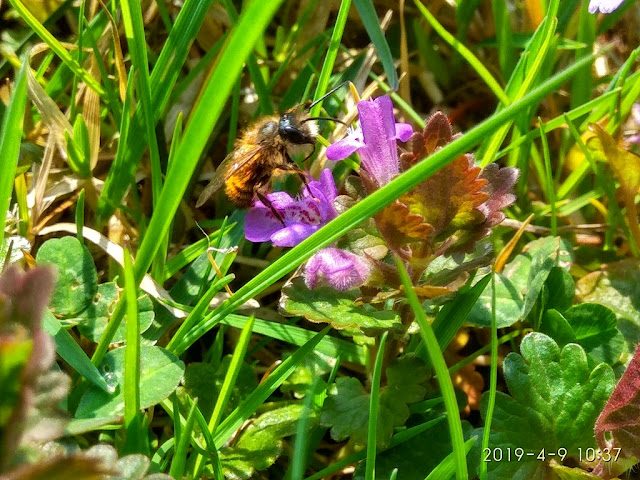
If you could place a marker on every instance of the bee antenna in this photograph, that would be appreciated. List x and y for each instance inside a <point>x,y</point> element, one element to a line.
<point>325,118</point>
<point>330,92</point>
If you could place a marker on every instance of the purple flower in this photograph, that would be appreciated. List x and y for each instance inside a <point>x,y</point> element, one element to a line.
<point>339,268</point>
<point>605,6</point>
<point>302,215</point>
<point>375,140</point>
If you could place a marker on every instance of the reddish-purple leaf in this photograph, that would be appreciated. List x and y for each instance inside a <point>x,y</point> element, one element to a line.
<point>620,415</point>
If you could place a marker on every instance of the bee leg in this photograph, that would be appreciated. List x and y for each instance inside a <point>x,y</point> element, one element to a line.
<point>270,206</point>
<point>310,155</point>
<point>292,167</point>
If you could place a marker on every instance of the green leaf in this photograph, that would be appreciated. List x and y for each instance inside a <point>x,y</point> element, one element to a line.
<point>261,442</point>
<point>594,327</point>
<point>346,410</point>
<point>415,461</point>
<point>545,254</point>
<point>557,327</point>
<point>308,372</point>
<point>77,276</point>
<point>327,305</point>
<point>618,288</point>
<point>160,373</point>
<point>369,18</point>
<point>203,381</point>
<point>561,289</point>
<point>93,320</point>
<point>509,303</point>
<point>555,400</point>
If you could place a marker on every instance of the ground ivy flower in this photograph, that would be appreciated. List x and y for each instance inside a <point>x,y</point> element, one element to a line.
<point>302,215</point>
<point>604,6</point>
<point>375,141</point>
<point>339,268</point>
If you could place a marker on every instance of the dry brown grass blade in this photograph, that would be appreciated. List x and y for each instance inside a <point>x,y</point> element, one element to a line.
<point>40,180</point>
<point>117,52</point>
<point>51,115</point>
<point>506,252</point>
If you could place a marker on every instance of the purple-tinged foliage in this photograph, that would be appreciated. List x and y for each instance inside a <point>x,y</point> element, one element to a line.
<point>339,268</point>
<point>375,142</point>
<point>302,216</point>
<point>500,181</point>
<point>451,210</point>
<point>619,417</point>
<point>30,392</point>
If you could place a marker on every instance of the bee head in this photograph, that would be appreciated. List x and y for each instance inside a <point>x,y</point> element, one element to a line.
<point>296,131</point>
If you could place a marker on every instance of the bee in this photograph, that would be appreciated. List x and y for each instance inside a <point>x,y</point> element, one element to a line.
<point>262,152</point>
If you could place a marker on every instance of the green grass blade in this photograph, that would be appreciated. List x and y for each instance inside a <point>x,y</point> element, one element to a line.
<point>524,76</point>
<point>332,346</point>
<point>374,404</point>
<point>447,467</point>
<point>440,367</point>
<point>330,58</point>
<point>477,65</point>
<point>493,378</point>
<point>551,196</point>
<point>134,31</point>
<point>582,85</point>
<point>451,317</point>
<point>398,439</point>
<point>239,351</point>
<point>57,47</point>
<point>504,36</point>
<point>179,460</point>
<point>369,18</point>
<point>372,204</point>
<point>70,351</point>
<point>10,138</point>
<point>163,78</point>
<point>264,390</point>
<point>132,416</point>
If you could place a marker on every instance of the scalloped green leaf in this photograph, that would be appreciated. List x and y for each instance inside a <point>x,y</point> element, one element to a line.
<point>554,403</point>
<point>260,444</point>
<point>508,304</point>
<point>160,374</point>
<point>327,305</point>
<point>77,281</point>
<point>346,409</point>
<point>93,320</point>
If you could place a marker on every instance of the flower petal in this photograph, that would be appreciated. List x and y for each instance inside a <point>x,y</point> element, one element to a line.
<point>403,131</point>
<point>293,234</point>
<point>380,155</point>
<point>279,200</point>
<point>260,224</point>
<point>345,147</point>
<point>605,6</point>
<point>339,268</point>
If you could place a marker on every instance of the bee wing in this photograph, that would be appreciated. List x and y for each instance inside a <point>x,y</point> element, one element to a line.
<point>231,164</point>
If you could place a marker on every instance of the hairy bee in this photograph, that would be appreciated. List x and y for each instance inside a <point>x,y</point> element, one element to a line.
<point>260,153</point>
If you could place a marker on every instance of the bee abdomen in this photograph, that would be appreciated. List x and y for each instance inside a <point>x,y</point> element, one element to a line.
<point>239,190</point>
